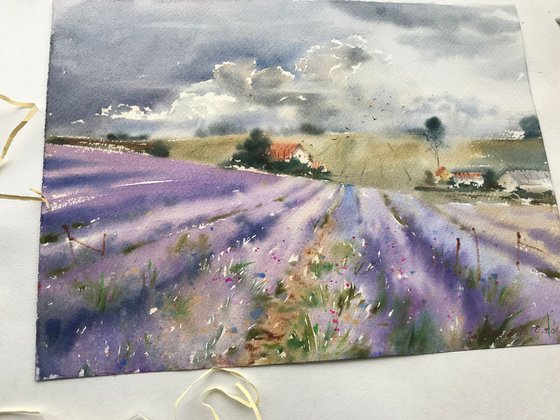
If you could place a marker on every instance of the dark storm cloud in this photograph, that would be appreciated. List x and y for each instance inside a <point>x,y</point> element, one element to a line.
<point>142,53</point>
<point>456,44</point>
<point>72,97</point>
<point>442,17</point>
<point>442,30</point>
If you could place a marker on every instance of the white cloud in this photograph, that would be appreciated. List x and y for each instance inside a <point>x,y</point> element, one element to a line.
<point>271,78</point>
<point>235,78</point>
<point>337,59</point>
<point>132,112</point>
<point>336,85</point>
<point>193,106</point>
<point>273,96</point>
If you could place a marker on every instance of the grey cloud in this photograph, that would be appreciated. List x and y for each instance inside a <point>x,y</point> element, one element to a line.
<point>448,103</point>
<point>460,115</point>
<point>438,46</point>
<point>513,67</point>
<point>271,78</point>
<point>235,78</point>
<point>439,17</point>
<point>443,30</point>
<point>326,62</point>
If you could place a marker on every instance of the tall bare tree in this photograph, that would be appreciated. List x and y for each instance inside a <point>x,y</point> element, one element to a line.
<point>435,136</point>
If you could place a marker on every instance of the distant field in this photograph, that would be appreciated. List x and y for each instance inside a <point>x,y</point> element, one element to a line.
<point>373,160</point>
<point>211,150</point>
<point>379,160</point>
<point>501,154</point>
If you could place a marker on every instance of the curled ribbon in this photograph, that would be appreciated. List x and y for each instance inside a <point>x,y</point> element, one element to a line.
<point>249,402</point>
<point>20,413</point>
<point>32,110</point>
<point>40,197</point>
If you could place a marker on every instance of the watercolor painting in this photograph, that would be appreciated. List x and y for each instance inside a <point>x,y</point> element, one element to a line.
<point>239,183</point>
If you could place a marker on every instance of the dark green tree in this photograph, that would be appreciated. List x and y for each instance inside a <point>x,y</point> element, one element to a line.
<point>429,178</point>
<point>252,152</point>
<point>490,180</point>
<point>435,136</point>
<point>530,125</point>
<point>158,148</point>
<point>124,137</point>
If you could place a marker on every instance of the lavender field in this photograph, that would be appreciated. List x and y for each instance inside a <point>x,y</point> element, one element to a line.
<point>150,264</point>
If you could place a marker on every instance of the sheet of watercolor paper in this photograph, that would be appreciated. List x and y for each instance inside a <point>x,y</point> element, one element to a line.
<point>247,183</point>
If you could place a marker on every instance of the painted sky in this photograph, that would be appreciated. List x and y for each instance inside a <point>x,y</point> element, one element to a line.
<point>170,67</point>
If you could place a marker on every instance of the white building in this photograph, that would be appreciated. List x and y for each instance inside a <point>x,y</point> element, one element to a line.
<point>528,180</point>
<point>473,178</point>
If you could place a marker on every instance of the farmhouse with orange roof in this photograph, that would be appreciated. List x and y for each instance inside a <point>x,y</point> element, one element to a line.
<point>469,176</point>
<point>288,151</point>
<point>442,174</point>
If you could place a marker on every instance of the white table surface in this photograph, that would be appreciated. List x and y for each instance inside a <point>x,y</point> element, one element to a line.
<point>517,383</point>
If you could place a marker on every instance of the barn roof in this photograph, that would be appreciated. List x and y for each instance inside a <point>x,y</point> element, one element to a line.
<point>476,170</point>
<point>468,175</point>
<point>529,177</point>
<point>441,170</point>
<point>283,148</point>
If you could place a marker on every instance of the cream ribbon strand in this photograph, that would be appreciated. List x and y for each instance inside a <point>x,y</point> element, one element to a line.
<point>20,413</point>
<point>32,110</point>
<point>249,402</point>
<point>40,197</point>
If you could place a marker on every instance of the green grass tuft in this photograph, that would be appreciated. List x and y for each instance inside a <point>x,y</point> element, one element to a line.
<point>133,247</point>
<point>100,294</point>
<point>177,307</point>
<point>418,335</point>
<point>49,238</point>
<point>223,216</point>
<point>345,297</point>
<point>185,244</point>
<point>149,275</point>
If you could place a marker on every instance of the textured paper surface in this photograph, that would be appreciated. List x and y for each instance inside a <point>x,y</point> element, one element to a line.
<point>152,263</point>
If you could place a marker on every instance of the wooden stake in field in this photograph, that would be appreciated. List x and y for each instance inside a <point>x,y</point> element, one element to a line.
<point>518,246</point>
<point>457,257</point>
<point>478,269</point>
<point>67,230</point>
<point>103,245</point>
<point>72,239</point>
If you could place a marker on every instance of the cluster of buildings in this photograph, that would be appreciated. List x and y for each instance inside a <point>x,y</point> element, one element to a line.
<point>530,180</point>
<point>512,135</point>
